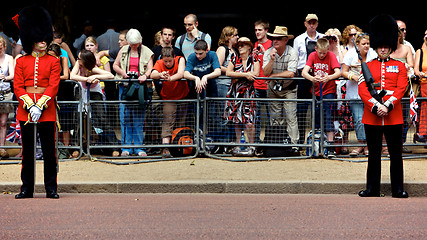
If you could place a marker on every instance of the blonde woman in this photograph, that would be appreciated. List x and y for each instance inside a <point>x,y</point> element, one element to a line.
<point>92,45</point>
<point>334,37</point>
<point>351,70</point>
<point>6,75</point>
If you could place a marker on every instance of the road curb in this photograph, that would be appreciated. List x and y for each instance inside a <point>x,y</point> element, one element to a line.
<point>254,187</point>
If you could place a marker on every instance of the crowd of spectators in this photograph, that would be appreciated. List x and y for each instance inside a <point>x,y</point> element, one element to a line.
<point>318,58</point>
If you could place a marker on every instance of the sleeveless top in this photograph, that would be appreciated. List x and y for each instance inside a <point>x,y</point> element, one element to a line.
<point>4,68</point>
<point>424,65</point>
<point>133,64</point>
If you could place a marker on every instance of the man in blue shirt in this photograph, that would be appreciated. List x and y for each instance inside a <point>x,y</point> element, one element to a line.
<point>202,65</point>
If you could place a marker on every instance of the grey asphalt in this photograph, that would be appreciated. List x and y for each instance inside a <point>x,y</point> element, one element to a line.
<point>212,216</point>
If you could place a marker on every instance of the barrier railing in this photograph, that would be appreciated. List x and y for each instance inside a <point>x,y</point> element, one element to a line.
<point>69,136</point>
<point>99,127</point>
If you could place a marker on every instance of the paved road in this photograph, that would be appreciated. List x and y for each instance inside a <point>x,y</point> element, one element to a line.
<point>212,216</point>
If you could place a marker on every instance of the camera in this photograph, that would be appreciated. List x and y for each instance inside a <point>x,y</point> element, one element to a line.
<point>278,86</point>
<point>133,75</point>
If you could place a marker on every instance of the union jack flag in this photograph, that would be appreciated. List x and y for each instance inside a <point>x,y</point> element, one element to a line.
<point>14,134</point>
<point>413,107</point>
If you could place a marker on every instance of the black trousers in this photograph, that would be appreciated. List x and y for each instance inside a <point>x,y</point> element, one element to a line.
<point>393,136</point>
<point>47,131</point>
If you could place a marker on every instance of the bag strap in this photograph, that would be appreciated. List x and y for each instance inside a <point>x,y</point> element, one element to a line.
<point>181,41</point>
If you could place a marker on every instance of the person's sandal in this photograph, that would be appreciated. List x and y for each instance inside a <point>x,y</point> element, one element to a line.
<point>116,154</point>
<point>356,152</point>
<point>142,154</point>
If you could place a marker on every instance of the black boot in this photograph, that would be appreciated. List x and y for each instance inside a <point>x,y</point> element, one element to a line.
<point>369,193</point>
<point>24,194</point>
<point>52,194</point>
<point>400,194</point>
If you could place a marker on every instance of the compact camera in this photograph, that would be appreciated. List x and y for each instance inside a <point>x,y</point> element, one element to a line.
<point>133,75</point>
<point>278,86</point>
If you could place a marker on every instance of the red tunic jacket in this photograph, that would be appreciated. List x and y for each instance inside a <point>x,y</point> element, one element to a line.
<point>37,71</point>
<point>392,77</point>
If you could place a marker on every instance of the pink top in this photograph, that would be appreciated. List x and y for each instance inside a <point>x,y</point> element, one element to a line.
<point>133,64</point>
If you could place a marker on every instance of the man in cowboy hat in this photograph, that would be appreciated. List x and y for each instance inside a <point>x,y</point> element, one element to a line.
<point>281,61</point>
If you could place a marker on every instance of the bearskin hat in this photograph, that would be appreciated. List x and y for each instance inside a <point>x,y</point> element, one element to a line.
<point>383,31</point>
<point>35,25</point>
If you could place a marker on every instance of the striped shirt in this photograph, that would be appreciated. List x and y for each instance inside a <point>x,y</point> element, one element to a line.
<point>188,45</point>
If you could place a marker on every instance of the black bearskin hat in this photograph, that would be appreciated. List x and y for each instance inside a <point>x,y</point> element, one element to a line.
<point>383,31</point>
<point>35,25</point>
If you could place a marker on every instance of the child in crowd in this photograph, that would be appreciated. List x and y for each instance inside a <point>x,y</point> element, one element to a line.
<point>86,72</point>
<point>202,65</point>
<point>171,69</point>
<point>325,69</point>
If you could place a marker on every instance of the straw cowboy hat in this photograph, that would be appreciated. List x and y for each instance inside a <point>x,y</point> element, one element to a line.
<point>280,31</point>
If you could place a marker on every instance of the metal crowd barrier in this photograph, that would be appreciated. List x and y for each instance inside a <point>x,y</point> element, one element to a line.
<point>69,118</point>
<point>344,137</point>
<point>100,126</point>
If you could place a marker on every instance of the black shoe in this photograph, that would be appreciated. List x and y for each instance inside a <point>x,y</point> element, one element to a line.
<point>52,194</point>
<point>400,194</point>
<point>295,151</point>
<point>406,150</point>
<point>24,194</point>
<point>420,138</point>
<point>331,153</point>
<point>369,193</point>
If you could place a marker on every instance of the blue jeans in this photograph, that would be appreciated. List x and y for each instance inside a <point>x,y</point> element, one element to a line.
<point>132,125</point>
<point>357,109</point>
<point>328,108</point>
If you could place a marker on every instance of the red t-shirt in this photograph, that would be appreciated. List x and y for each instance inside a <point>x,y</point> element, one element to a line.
<point>323,67</point>
<point>172,90</point>
<point>261,84</point>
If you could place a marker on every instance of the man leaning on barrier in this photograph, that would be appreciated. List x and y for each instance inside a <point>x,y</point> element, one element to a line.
<point>281,61</point>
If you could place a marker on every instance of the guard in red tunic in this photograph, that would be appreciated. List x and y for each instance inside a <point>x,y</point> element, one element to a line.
<point>383,110</point>
<point>35,86</point>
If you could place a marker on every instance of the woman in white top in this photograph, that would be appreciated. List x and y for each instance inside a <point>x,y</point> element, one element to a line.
<point>6,75</point>
<point>351,70</point>
<point>86,72</point>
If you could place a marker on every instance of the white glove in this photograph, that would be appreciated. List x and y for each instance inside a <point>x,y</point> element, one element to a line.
<point>35,113</point>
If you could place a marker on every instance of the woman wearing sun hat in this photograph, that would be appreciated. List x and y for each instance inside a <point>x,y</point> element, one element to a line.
<point>244,69</point>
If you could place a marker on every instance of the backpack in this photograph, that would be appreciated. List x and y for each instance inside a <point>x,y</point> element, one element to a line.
<point>182,136</point>
<point>182,38</point>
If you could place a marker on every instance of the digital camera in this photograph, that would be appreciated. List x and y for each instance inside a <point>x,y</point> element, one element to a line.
<point>133,75</point>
